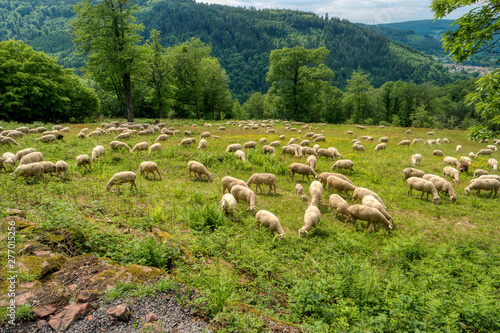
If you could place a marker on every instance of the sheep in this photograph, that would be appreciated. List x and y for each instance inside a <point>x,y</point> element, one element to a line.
<point>140,146</point>
<point>228,182</point>
<point>204,135</point>
<point>162,137</point>
<point>383,139</point>
<point>198,169</point>
<point>361,192</point>
<point>492,147</point>
<point>320,139</point>
<point>228,204</point>
<point>245,194</point>
<point>416,159</point>
<point>29,170</point>
<point>270,221</point>
<point>437,152</point>
<point>289,150</point>
<point>299,190</point>
<point>187,133</point>
<point>443,186</point>
<point>350,132</point>
<point>304,143</point>
<point>358,147</point>
<point>311,161</point>
<point>274,144</point>
<point>263,178</point>
<point>83,161</point>
<point>484,152</point>
<point>465,159</point>
<point>250,145</point>
<point>116,145</point>
<point>187,142</point>
<point>298,149</point>
<point>309,151</point>
<point>323,177</point>
<point>62,168</point>
<point>14,134</point>
<point>495,177</point>
<point>316,191</point>
<point>459,148</point>
<point>222,128</point>
<point>493,164</point>
<point>343,164</point>
<point>302,169</point>
<point>411,172</point>
<point>47,138</point>
<point>370,201</point>
<point>451,161</point>
<point>97,152</point>
<point>268,149</point>
<point>155,147</point>
<point>31,158</point>
<point>404,143</point>
<point>312,217</point>
<point>9,159</point>
<point>48,167</point>
<point>240,154</point>
<point>339,204</point>
<point>380,146</point>
<point>463,167</point>
<point>335,152</point>
<point>480,172</point>
<point>282,137</point>
<point>372,215</point>
<point>233,147</point>
<point>483,184</point>
<point>7,141</point>
<point>149,167</point>
<point>426,186</point>
<point>203,144</point>
<point>452,173</point>
<point>334,182</point>
<point>23,152</point>
<point>262,141</point>
<point>472,155</point>
<point>122,177</point>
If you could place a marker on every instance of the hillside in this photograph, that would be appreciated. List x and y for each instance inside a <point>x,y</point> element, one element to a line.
<point>240,38</point>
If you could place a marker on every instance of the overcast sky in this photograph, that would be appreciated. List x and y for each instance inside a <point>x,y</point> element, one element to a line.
<point>356,11</point>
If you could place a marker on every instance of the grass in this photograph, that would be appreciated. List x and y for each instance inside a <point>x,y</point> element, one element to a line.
<point>438,270</point>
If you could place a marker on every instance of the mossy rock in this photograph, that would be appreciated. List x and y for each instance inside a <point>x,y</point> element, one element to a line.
<point>20,223</point>
<point>40,267</point>
<point>137,274</point>
<point>52,238</point>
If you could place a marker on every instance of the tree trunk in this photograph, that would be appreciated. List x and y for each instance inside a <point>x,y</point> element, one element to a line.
<point>160,103</point>
<point>128,96</point>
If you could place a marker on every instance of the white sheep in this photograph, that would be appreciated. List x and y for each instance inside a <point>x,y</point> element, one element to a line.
<point>323,177</point>
<point>83,161</point>
<point>358,147</point>
<point>199,170</point>
<point>416,159</point>
<point>459,148</point>
<point>451,161</point>
<point>250,145</point>
<point>311,161</point>
<point>262,141</point>
<point>484,152</point>
<point>48,167</point>
<point>4,140</point>
<point>496,177</point>
<point>299,190</point>
<point>411,172</point>
<point>275,144</point>
<point>380,146</point>
<point>361,192</point>
<point>62,168</point>
<point>23,152</point>
<point>155,147</point>
<point>316,192</point>
<point>228,182</point>
<point>443,186</point>
<point>312,217</point>
<point>334,182</point>
<point>245,194</point>
<point>47,138</point>
<point>304,143</point>
<point>270,221</point>
<point>326,153</point>
<point>263,178</point>
<point>9,159</point>
<point>203,144</point>
<point>371,215</point>
<point>187,142</point>
<point>31,158</point>
<point>240,154</point>
<point>204,135</point>
<point>116,145</point>
<point>339,204</point>
<point>404,143</point>
<point>335,152</point>
<point>483,184</point>
<point>29,170</point>
<point>162,137</point>
<point>343,164</point>
<point>472,155</point>
<point>423,185</point>
<point>228,204</point>
<point>465,159</point>
<point>452,173</point>
<point>268,149</point>
<point>140,146</point>
<point>480,172</point>
<point>437,152</point>
<point>493,164</point>
<point>97,152</point>
<point>149,167</point>
<point>301,169</point>
<point>122,177</point>
<point>233,147</point>
<point>383,139</point>
<point>371,201</point>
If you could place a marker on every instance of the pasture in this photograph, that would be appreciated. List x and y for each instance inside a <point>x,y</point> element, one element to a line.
<point>437,270</point>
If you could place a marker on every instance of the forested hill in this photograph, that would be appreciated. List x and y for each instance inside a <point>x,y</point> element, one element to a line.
<point>240,38</point>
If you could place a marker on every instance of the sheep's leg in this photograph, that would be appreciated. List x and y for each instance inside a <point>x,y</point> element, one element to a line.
<point>410,193</point>
<point>158,173</point>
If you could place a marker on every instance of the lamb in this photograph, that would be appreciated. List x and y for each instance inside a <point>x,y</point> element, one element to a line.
<point>199,170</point>
<point>404,143</point>
<point>371,201</point>
<point>23,152</point>
<point>29,170</point>
<point>250,145</point>
<point>480,172</point>
<point>495,177</point>
<point>203,144</point>
<point>97,152</point>
<point>380,146</point>
<point>149,167</point>
<point>268,149</point>
<point>302,169</point>
<point>312,217</point>
<point>484,152</point>
<point>423,185</point>
<point>411,172</point>
<point>31,158</point>
<point>228,182</point>
<point>140,146</point>
<point>451,160</point>
<point>270,221</point>
<point>187,142</point>
<point>299,190</point>
<point>361,192</point>
<point>444,186</point>
<point>48,167</point>
<point>228,204</point>
<point>339,204</point>
<point>316,191</point>
<point>372,215</point>
<point>116,145</point>
<point>311,161</point>
<point>416,159</point>
<point>62,168</point>
<point>263,178</point>
<point>122,177</point>
<point>459,148</point>
<point>83,161</point>
<point>240,154</point>
<point>274,144</point>
<point>245,194</point>
<point>492,147</point>
<point>343,164</point>
<point>452,173</point>
<point>336,183</point>
<point>204,135</point>
<point>493,164</point>
<point>233,147</point>
<point>483,184</point>
<point>437,152</point>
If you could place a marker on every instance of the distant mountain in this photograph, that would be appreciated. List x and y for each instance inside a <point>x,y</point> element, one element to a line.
<point>424,27</point>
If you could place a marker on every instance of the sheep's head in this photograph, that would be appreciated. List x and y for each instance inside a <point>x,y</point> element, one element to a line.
<point>253,209</point>
<point>467,190</point>
<point>302,232</point>
<point>453,198</point>
<point>436,199</point>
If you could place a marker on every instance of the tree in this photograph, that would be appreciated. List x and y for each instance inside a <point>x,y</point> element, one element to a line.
<point>254,106</point>
<point>296,75</point>
<point>356,97</point>
<point>33,87</point>
<point>105,31</point>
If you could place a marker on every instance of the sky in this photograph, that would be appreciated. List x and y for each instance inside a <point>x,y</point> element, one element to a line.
<point>356,11</point>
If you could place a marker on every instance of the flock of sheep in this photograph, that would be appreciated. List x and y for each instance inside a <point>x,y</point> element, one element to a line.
<point>371,208</point>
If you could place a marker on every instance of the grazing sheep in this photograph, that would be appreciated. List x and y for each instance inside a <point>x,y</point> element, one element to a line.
<point>263,178</point>
<point>187,142</point>
<point>312,217</point>
<point>350,132</point>
<point>323,177</point>
<point>203,144</point>
<point>339,204</point>
<point>289,150</point>
<point>47,138</point>
<point>411,172</point>
<point>416,159</point>
<point>228,204</point>
<point>62,168</point>
<point>495,177</point>
<point>480,172</point>
<point>149,167</point>
<point>483,184</point>
<point>83,161</point>
<point>309,151</point>
<point>472,155</point>
<point>404,143</point>
<point>116,145</point>
<point>228,182</point>
<point>383,139</point>
<point>316,191</point>
<point>423,185</point>
<point>334,182</point>
<point>452,173</point>
<point>463,167</point>
<point>465,159</point>
<point>7,141</point>
<point>162,137</point>
<point>274,144</point>
<point>122,177</point>
<point>361,192</point>
<point>245,194</point>
<point>451,161</point>
<point>437,152</point>
<point>240,154</point>
<point>23,152</point>
<point>301,169</point>
<point>29,170</point>
<point>343,164</point>
<point>31,158</point>
<point>268,149</point>
<point>262,141</point>
<point>155,147</point>
<point>97,152</point>
<point>204,135</point>
<point>270,221</point>
<point>140,146</point>
<point>484,152</point>
<point>443,186</point>
<point>299,190</point>
<point>9,159</point>
<point>320,138</point>
<point>199,170</point>
<point>459,148</point>
<point>358,147</point>
<point>48,167</point>
<point>335,152</point>
<point>222,128</point>
<point>233,147</point>
<point>372,215</point>
<point>492,147</point>
<point>14,134</point>
<point>311,161</point>
<point>250,145</point>
<point>493,164</point>
<point>371,201</point>
<point>380,146</point>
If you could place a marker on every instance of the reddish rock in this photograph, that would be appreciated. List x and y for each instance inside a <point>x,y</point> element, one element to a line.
<point>41,253</point>
<point>150,317</point>
<point>44,310</point>
<point>152,326</point>
<point>17,212</point>
<point>41,323</point>
<point>27,285</point>
<point>66,317</point>
<point>26,249</point>
<point>23,298</point>
<point>86,308</point>
<point>72,287</point>
<point>86,296</point>
<point>120,312</point>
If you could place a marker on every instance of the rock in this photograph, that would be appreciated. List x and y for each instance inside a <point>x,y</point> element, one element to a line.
<point>26,249</point>
<point>24,298</point>
<point>18,212</point>
<point>66,317</point>
<point>44,310</point>
<point>39,266</point>
<point>136,274</point>
<point>87,296</point>
<point>41,323</point>
<point>86,308</point>
<point>120,312</point>
<point>152,327</point>
<point>72,287</point>
<point>150,317</point>
<point>42,253</point>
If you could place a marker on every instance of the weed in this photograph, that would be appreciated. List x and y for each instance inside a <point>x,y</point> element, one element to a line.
<point>119,291</point>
